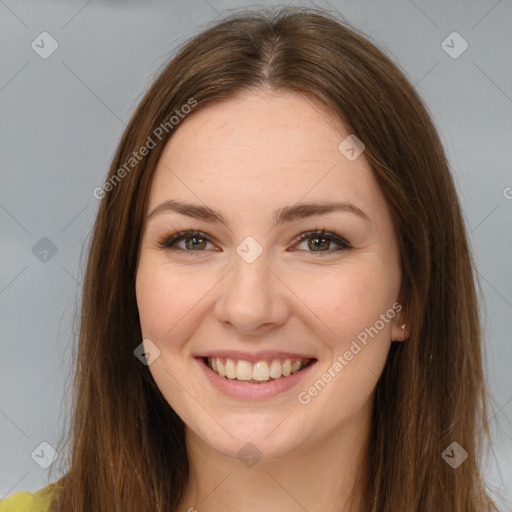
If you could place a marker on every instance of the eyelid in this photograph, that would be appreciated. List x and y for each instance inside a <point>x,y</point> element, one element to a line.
<point>168,241</point>
<point>322,233</point>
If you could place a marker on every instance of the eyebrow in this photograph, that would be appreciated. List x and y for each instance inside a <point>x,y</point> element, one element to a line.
<point>281,216</point>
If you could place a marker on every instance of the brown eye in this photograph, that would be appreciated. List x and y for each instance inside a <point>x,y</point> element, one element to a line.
<point>316,244</point>
<point>194,241</point>
<point>320,241</point>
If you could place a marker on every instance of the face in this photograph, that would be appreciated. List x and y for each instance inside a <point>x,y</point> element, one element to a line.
<point>259,287</point>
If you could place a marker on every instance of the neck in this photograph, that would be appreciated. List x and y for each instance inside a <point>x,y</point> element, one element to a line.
<point>320,474</point>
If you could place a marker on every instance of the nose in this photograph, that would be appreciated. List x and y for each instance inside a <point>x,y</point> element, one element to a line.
<point>252,300</point>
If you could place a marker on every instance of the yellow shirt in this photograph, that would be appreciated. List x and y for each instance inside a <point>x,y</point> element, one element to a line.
<point>24,501</point>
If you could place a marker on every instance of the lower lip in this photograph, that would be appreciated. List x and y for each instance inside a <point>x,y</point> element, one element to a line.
<point>250,390</point>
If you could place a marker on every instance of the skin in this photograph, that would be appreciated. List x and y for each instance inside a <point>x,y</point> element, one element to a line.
<point>246,158</point>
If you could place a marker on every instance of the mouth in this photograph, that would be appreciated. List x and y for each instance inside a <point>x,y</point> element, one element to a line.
<point>257,372</point>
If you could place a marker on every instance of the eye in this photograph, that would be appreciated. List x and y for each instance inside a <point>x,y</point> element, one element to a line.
<point>196,242</point>
<point>318,240</point>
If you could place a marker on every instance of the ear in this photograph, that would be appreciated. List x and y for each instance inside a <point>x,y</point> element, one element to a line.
<point>401,329</point>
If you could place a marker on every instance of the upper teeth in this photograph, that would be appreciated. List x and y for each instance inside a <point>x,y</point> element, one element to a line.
<point>259,371</point>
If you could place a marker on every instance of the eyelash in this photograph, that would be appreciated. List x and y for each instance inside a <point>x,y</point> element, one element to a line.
<point>168,241</point>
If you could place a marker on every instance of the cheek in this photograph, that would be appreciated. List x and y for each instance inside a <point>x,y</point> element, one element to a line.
<point>164,299</point>
<point>356,304</point>
<point>172,301</point>
<point>349,299</point>
<point>356,344</point>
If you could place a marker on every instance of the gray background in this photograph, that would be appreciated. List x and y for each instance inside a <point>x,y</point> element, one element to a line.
<point>61,119</point>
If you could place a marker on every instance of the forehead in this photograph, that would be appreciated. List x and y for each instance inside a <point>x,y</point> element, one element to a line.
<point>262,150</point>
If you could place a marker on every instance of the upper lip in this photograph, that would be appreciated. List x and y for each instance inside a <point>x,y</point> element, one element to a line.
<point>254,356</point>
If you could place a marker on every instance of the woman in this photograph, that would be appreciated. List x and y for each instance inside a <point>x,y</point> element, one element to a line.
<point>223,363</point>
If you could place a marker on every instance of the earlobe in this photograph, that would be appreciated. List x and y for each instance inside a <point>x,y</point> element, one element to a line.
<point>402,336</point>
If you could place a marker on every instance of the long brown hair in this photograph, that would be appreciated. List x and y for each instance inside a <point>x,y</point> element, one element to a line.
<point>127,446</point>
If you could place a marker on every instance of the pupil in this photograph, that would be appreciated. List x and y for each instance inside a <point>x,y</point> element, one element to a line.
<point>195,244</point>
<point>317,245</point>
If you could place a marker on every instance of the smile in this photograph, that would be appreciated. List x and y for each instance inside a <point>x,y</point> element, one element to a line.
<point>262,377</point>
<point>255,372</point>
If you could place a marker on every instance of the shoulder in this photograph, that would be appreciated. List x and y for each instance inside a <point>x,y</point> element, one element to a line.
<point>25,501</point>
